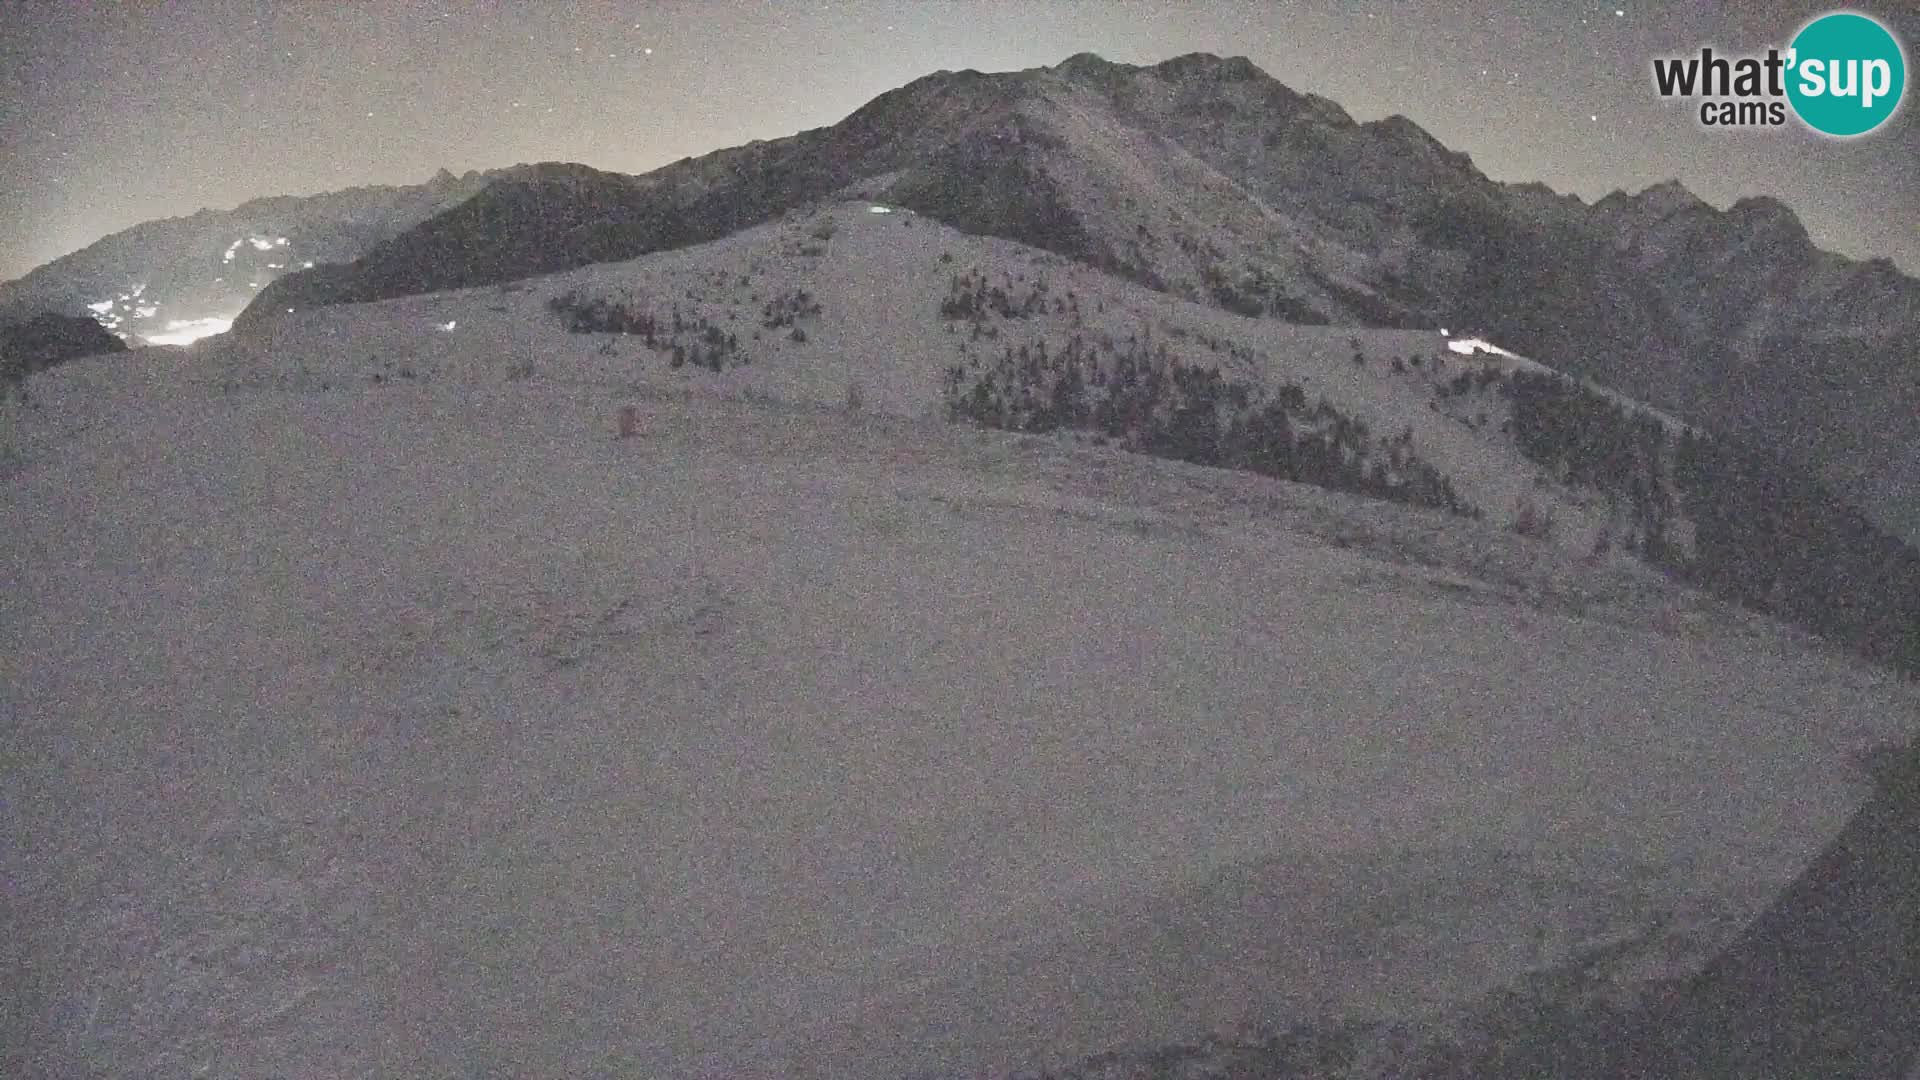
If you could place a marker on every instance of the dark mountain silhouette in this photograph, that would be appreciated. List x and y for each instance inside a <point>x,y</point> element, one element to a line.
<point>45,340</point>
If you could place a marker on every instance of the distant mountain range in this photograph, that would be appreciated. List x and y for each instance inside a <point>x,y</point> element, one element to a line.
<point>184,277</point>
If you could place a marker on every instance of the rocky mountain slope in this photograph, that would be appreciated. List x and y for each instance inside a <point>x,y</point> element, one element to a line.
<point>1208,179</point>
<point>184,277</point>
<point>381,706</point>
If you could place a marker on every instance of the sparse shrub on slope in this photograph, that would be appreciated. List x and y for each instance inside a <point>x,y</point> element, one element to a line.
<point>1532,521</point>
<point>972,297</point>
<point>788,308</point>
<point>1229,296</point>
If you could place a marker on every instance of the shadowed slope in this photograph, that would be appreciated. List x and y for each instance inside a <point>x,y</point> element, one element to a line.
<point>1827,981</point>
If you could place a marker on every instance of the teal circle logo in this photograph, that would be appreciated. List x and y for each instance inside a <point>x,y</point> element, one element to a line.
<point>1846,75</point>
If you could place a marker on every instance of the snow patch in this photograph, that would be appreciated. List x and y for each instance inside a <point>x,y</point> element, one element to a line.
<point>1470,346</point>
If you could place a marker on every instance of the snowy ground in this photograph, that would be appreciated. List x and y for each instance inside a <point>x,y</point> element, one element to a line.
<point>424,728</point>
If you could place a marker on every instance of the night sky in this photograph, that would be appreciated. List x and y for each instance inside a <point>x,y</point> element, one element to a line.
<point>112,114</point>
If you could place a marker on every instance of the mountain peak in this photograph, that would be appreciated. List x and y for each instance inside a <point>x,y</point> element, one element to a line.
<point>1202,65</point>
<point>1088,63</point>
<point>1762,207</point>
<point>1402,126</point>
<point>1189,67</point>
<point>1095,71</point>
<point>1661,200</point>
<point>1540,189</point>
<point>1668,197</point>
<point>1766,214</point>
<point>1402,130</point>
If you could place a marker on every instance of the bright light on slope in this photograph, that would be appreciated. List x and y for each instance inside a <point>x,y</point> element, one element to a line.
<point>188,331</point>
<point>101,308</point>
<point>1469,346</point>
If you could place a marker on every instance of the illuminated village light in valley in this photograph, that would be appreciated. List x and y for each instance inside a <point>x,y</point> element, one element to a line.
<point>187,331</point>
<point>129,314</point>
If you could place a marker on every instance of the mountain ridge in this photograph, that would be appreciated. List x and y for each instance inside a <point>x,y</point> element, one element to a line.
<point>1207,178</point>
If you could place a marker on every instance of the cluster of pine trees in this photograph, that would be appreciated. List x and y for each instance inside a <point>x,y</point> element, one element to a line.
<point>1588,440</point>
<point>788,308</point>
<point>1152,402</point>
<point>1766,535</point>
<point>599,315</point>
<point>1467,382</point>
<point>970,297</point>
<point>710,348</point>
<point>1770,537</point>
<point>688,340</point>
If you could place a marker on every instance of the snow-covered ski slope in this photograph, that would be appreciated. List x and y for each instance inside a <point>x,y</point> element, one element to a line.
<point>420,726</point>
<point>878,281</point>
